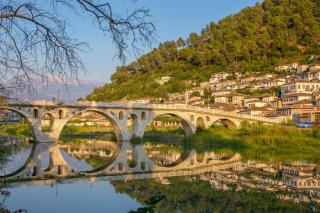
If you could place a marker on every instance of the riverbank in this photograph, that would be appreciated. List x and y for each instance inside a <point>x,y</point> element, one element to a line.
<point>261,142</point>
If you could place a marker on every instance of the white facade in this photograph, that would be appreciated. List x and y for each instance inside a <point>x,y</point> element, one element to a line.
<point>221,92</point>
<point>163,80</point>
<point>254,103</point>
<point>300,87</point>
<point>216,77</point>
<point>221,99</point>
<point>268,98</point>
<point>295,97</point>
<point>302,68</point>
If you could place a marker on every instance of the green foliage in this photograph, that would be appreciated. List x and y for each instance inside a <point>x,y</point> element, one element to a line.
<point>46,128</point>
<point>255,39</point>
<point>17,130</point>
<point>96,132</point>
<point>169,130</point>
<point>6,149</point>
<point>136,140</point>
<point>196,94</point>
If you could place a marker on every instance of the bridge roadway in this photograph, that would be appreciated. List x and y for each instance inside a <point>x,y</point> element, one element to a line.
<point>141,115</point>
<point>120,169</point>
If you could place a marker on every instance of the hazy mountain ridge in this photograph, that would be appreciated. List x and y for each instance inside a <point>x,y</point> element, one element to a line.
<point>58,89</point>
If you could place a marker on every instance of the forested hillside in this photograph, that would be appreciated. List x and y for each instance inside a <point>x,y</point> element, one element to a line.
<point>256,39</point>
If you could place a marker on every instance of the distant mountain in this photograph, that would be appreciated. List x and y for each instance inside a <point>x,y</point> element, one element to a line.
<point>59,90</point>
<point>256,39</point>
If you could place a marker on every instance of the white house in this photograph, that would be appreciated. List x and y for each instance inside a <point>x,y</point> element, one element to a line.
<point>254,103</point>
<point>216,77</point>
<point>295,97</point>
<point>300,87</point>
<point>163,80</point>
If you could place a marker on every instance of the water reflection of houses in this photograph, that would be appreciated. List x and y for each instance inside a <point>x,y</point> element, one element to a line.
<point>161,154</point>
<point>300,181</point>
<point>271,168</point>
<point>90,148</point>
<point>301,175</point>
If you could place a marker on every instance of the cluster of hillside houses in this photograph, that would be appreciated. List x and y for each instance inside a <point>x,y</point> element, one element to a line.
<point>299,98</point>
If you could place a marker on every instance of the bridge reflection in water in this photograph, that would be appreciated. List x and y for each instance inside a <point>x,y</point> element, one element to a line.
<point>116,161</point>
<point>87,161</point>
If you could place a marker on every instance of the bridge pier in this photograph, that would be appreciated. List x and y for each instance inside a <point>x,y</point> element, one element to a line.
<point>50,136</point>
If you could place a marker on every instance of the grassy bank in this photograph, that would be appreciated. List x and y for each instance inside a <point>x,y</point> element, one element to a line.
<point>22,130</point>
<point>261,142</point>
<point>16,130</point>
<point>81,130</point>
<point>95,132</point>
<point>153,130</point>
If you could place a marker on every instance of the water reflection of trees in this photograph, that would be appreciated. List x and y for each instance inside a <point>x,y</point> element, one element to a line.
<point>14,154</point>
<point>7,148</point>
<point>4,194</point>
<point>190,194</point>
<point>5,151</point>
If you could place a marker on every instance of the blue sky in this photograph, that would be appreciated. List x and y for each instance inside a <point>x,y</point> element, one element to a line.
<point>172,18</point>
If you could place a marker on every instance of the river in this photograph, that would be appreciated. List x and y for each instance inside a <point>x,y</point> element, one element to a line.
<point>95,175</point>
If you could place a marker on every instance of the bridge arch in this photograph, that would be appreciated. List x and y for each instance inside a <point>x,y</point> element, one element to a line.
<point>25,115</point>
<point>132,123</point>
<point>227,122</point>
<point>35,113</point>
<point>143,115</point>
<point>47,121</point>
<point>61,114</point>
<point>121,115</point>
<point>201,123</point>
<point>114,123</point>
<point>28,116</point>
<point>188,127</point>
<point>25,165</point>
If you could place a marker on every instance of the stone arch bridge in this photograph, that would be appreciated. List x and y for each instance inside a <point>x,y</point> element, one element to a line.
<point>60,113</point>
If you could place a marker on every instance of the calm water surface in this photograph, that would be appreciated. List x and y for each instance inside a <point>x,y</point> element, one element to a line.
<point>73,197</point>
<point>215,181</point>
